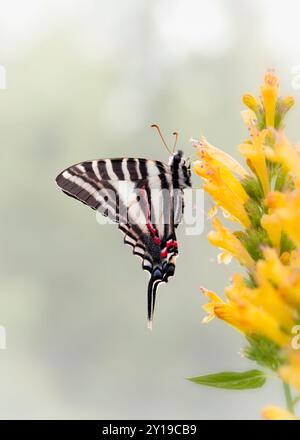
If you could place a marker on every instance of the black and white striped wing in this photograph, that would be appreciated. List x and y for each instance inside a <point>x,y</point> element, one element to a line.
<point>138,194</point>
<point>100,184</point>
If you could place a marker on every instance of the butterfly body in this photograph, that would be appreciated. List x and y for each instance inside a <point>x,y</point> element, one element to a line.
<point>145,198</point>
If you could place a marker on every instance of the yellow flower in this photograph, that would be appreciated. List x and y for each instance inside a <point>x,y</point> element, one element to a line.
<point>216,307</point>
<point>287,209</point>
<point>255,155</point>
<point>276,413</point>
<point>269,91</point>
<point>209,307</point>
<point>272,224</point>
<point>221,183</point>
<point>219,156</point>
<point>244,311</point>
<point>259,310</point>
<point>285,154</point>
<point>285,278</point>
<point>264,296</point>
<point>225,240</point>
<point>290,372</point>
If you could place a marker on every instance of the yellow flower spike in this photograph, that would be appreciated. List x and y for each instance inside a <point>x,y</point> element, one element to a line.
<point>255,154</point>
<point>272,225</point>
<point>269,91</point>
<point>227,241</point>
<point>290,372</point>
<point>276,413</point>
<point>264,304</point>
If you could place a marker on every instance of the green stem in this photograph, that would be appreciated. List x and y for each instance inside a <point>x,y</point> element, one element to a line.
<point>288,397</point>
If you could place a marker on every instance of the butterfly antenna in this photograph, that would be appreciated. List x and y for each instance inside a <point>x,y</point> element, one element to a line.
<point>176,134</point>
<point>161,136</point>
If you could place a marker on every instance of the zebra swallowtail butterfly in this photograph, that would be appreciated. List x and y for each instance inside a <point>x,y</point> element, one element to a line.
<point>145,198</point>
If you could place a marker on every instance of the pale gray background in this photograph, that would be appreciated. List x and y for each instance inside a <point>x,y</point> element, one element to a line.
<point>85,79</point>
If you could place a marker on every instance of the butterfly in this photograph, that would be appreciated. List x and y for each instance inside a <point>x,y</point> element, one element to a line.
<point>145,198</point>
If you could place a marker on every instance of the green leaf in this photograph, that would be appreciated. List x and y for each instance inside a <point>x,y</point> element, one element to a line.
<point>232,380</point>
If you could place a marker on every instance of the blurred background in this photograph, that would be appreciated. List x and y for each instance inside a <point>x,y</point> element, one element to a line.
<point>84,80</point>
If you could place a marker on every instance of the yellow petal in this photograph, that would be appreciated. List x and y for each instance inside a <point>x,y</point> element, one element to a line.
<point>223,186</point>
<point>286,206</point>
<point>285,278</point>
<point>253,313</point>
<point>285,153</point>
<point>254,152</point>
<point>225,240</point>
<point>209,308</point>
<point>269,91</point>
<point>220,156</point>
<point>271,223</point>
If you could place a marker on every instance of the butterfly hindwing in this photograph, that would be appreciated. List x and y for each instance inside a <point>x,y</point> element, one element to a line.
<point>154,240</point>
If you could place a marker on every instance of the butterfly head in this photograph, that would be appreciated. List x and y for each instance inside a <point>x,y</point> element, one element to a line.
<point>180,166</point>
<point>181,169</point>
